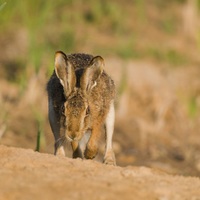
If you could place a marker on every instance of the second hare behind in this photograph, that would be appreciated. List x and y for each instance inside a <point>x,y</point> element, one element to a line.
<point>81,99</point>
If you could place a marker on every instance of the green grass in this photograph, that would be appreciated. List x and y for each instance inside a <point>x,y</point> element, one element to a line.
<point>170,56</point>
<point>192,107</point>
<point>169,25</point>
<point>123,82</point>
<point>2,5</point>
<point>41,140</point>
<point>38,141</point>
<point>141,10</point>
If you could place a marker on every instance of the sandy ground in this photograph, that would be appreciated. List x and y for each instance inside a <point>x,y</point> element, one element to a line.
<point>26,174</point>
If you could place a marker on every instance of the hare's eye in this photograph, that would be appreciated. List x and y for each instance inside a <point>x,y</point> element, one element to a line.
<point>88,110</point>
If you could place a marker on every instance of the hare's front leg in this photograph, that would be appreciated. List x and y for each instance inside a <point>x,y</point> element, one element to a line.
<point>77,153</point>
<point>57,129</point>
<point>92,145</point>
<point>109,157</point>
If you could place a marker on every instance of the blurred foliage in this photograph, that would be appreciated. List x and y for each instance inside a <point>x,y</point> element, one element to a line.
<point>192,107</point>
<point>39,119</point>
<point>111,28</point>
<point>2,5</point>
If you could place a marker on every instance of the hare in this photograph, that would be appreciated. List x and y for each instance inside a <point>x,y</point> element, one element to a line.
<point>81,99</point>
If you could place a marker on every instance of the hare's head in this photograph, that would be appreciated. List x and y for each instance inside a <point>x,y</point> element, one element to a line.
<point>77,111</point>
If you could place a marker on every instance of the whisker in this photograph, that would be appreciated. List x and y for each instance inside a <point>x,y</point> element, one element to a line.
<point>64,140</point>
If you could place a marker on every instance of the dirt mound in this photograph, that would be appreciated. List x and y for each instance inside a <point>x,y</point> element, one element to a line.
<point>26,174</point>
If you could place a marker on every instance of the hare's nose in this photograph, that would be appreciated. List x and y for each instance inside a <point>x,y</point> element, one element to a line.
<point>71,137</point>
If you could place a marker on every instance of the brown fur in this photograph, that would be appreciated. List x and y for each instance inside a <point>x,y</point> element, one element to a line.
<point>80,107</point>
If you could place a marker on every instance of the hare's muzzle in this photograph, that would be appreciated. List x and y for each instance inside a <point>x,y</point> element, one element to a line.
<point>69,138</point>
<point>73,136</point>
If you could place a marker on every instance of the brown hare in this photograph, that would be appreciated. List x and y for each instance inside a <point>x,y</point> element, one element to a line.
<point>81,99</point>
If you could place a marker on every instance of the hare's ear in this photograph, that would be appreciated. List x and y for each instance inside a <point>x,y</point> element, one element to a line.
<point>92,73</point>
<point>65,72</point>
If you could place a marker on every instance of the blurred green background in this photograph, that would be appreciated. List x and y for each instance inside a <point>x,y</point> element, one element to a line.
<point>130,29</point>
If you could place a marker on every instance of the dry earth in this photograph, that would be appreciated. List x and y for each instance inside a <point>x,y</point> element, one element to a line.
<point>30,175</point>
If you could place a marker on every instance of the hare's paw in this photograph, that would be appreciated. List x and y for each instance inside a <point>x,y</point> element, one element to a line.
<point>109,158</point>
<point>90,152</point>
<point>77,153</point>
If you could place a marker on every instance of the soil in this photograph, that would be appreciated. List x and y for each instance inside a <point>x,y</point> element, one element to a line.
<point>31,175</point>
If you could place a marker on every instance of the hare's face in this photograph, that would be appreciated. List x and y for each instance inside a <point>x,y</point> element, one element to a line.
<point>77,116</point>
<point>76,106</point>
